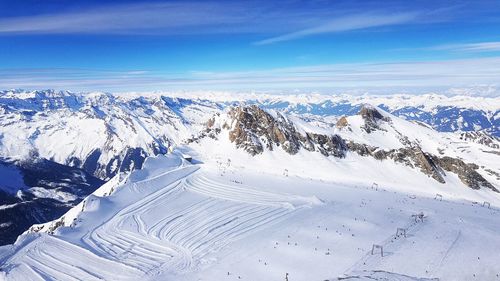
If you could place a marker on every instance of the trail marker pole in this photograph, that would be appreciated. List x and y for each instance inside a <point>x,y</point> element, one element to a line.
<point>418,217</point>
<point>401,231</point>
<point>378,247</point>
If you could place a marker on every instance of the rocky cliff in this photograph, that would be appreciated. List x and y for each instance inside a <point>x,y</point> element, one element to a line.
<point>256,130</point>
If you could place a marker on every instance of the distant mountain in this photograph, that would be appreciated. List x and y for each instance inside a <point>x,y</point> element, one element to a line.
<point>442,113</point>
<point>97,132</point>
<point>64,145</point>
<point>104,133</point>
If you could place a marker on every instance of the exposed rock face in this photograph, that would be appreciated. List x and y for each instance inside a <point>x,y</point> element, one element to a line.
<point>481,138</point>
<point>411,156</point>
<point>209,131</point>
<point>428,164</point>
<point>363,149</point>
<point>255,130</point>
<point>371,116</point>
<point>342,123</point>
<point>332,145</point>
<point>466,172</point>
<point>370,113</point>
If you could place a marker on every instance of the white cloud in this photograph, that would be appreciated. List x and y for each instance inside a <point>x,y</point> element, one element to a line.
<point>471,47</point>
<point>204,17</point>
<point>155,18</point>
<point>407,76</point>
<point>354,22</point>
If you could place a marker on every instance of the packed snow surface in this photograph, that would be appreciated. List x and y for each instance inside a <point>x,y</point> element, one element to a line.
<point>218,220</point>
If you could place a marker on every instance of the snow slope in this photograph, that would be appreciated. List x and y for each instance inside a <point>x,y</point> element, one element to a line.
<point>178,221</point>
<point>229,215</point>
<point>226,222</point>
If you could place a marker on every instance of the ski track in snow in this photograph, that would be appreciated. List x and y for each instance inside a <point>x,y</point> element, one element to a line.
<point>155,235</point>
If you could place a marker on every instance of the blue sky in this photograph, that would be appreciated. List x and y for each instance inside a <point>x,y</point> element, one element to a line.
<point>248,45</point>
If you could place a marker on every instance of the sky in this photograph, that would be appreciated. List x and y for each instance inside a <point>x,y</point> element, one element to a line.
<point>315,45</point>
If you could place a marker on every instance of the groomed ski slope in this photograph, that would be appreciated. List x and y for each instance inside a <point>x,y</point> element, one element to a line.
<point>178,221</point>
<point>184,218</point>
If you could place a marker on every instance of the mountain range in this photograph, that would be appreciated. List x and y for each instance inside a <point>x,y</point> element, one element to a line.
<point>72,163</point>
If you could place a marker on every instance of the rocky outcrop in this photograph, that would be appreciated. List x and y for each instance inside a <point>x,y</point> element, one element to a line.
<point>431,165</point>
<point>371,117</point>
<point>328,145</point>
<point>209,131</point>
<point>362,149</point>
<point>254,130</point>
<point>427,163</point>
<point>481,138</point>
<point>370,113</point>
<point>342,123</point>
<point>410,156</point>
<point>466,172</point>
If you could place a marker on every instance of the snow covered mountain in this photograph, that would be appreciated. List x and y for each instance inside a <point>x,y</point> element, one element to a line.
<point>97,132</point>
<point>445,114</point>
<point>371,133</point>
<point>104,134</point>
<point>236,216</point>
<point>316,181</point>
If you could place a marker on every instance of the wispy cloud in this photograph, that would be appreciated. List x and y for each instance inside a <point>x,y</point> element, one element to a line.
<point>128,18</point>
<point>208,17</point>
<point>471,47</point>
<point>182,17</point>
<point>353,22</point>
<point>407,76</point>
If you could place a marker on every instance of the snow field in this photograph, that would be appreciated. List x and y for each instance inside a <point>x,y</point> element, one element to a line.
<point>177,221</point>
<point>348,223</point>
<point>173,230</point>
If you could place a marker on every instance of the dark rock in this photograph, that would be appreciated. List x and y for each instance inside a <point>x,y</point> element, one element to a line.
<point>370,113</point>
<point>466,172</point>
<point>371,116</point>
<point>254,130</point>
<point>481,138</point>
<point>328,145</point>
<point>361,149</point>
<point>342,123</point>
<point>431,165</point>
